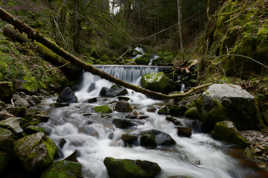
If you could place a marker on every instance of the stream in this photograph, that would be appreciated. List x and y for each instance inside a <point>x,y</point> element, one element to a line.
<point>94,136</point>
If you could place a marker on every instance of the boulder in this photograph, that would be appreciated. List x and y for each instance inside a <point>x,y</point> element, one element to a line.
<point>157,82</point>
<point>91,87</point>
<point>6,90</point>
<point>35,151</point>
<point>17,111</point>
<point>20,101</point>
<point>184,131</point>
<point>113,91</point>
<point>6,140</point>
<point>228,102</point>
<point>123,106</point>
<point>4,159</point>
<point>12,123</point>
<point>154,138</point>
<point>173,110</point>
<point>123,123</point>
<point>67,96</point>
<point>129,139</point>
<point>148,139</point>
<point>226,131</point>
<point>126,168</point>
<point>63,169</point>
<point>5,115</point>
<point>174,121</point>
<point>192,113</point>
<point>105,109</point>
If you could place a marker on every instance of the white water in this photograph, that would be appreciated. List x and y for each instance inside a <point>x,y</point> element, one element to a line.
<point>199,156</point>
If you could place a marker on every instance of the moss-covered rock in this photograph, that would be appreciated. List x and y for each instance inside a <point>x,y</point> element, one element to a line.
<point>35,151</point>
<point>6,90</point>
<point>129,139</point>
<point>63,169</point>
<point>142,60</point>
<point>4,160</point>
<point>105,109</point>
<point>157,82</point>
<point>192,113</point>
<point>125,168</point>
<point>228,102</point>
<point>6,140</point>
<point>12,123</point>
<point>173,110</point>
<point>226,131</point>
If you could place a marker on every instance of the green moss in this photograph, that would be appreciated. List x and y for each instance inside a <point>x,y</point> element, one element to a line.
<point>63,169</point>
<point>105,109</point>
<point>157,82</point>
<point>226,131</point>
<point>192,113</point>
<point>125,168</point>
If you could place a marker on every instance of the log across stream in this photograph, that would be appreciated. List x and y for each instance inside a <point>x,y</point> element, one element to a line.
<point>94,136</point>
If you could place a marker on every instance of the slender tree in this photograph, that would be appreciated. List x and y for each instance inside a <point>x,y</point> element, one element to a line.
<point>180,25</point>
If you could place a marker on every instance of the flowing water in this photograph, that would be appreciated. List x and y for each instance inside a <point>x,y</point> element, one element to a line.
<point>95,137</point>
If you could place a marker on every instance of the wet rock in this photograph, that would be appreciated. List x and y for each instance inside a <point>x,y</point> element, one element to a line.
<point>20,101</point>
<point>62,142</point>
<point>157,82</point>
<point>12,123</point>
<point>113,91</point>
<point>123,123</point>
<point>123,98</point>
<point>73,157</point>
<point>129,139</point>
<point>91,87</point>
<point>125,168</point>
<point>31,129</point>
<point>122,106</point>
<point>228,102</point>
<point>151,109</point>
<point>154,138</point>
<point>173,110</point>
<point>174,121</point>
<point>133,115</point>
<point>35,151</point>
<point>6,90</point>
<point>6,140</point>
<point>226,131</point>
<point>184,131</point>
<point>17,111</point>
<point>4,160</point>
<point>92,100</point>
<point>67,96</point>
<point>192,113</point>
<point>5,115</point>
<point>63,169</point>
<point>105,109</point>
<point>90,131</point>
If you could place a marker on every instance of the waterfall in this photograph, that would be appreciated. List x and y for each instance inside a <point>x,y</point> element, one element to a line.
<point>130,73</point>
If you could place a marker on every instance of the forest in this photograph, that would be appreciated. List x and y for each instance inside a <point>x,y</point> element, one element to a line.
<point>133,89</point>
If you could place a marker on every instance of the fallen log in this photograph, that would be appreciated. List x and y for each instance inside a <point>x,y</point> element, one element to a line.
<point>72,72</point>
<point>35,35</point>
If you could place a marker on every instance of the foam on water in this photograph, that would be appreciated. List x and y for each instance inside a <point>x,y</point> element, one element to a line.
<point>199,156</point>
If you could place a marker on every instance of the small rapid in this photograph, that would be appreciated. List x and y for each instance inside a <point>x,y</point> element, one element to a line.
<point>95,137</point>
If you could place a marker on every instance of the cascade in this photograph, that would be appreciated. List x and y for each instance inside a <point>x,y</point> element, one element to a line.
<point>95,137</point>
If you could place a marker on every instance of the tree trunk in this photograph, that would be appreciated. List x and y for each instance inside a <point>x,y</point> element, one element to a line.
<point>34,35</point>
<point>77,23</point>
<point>180,25</point>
